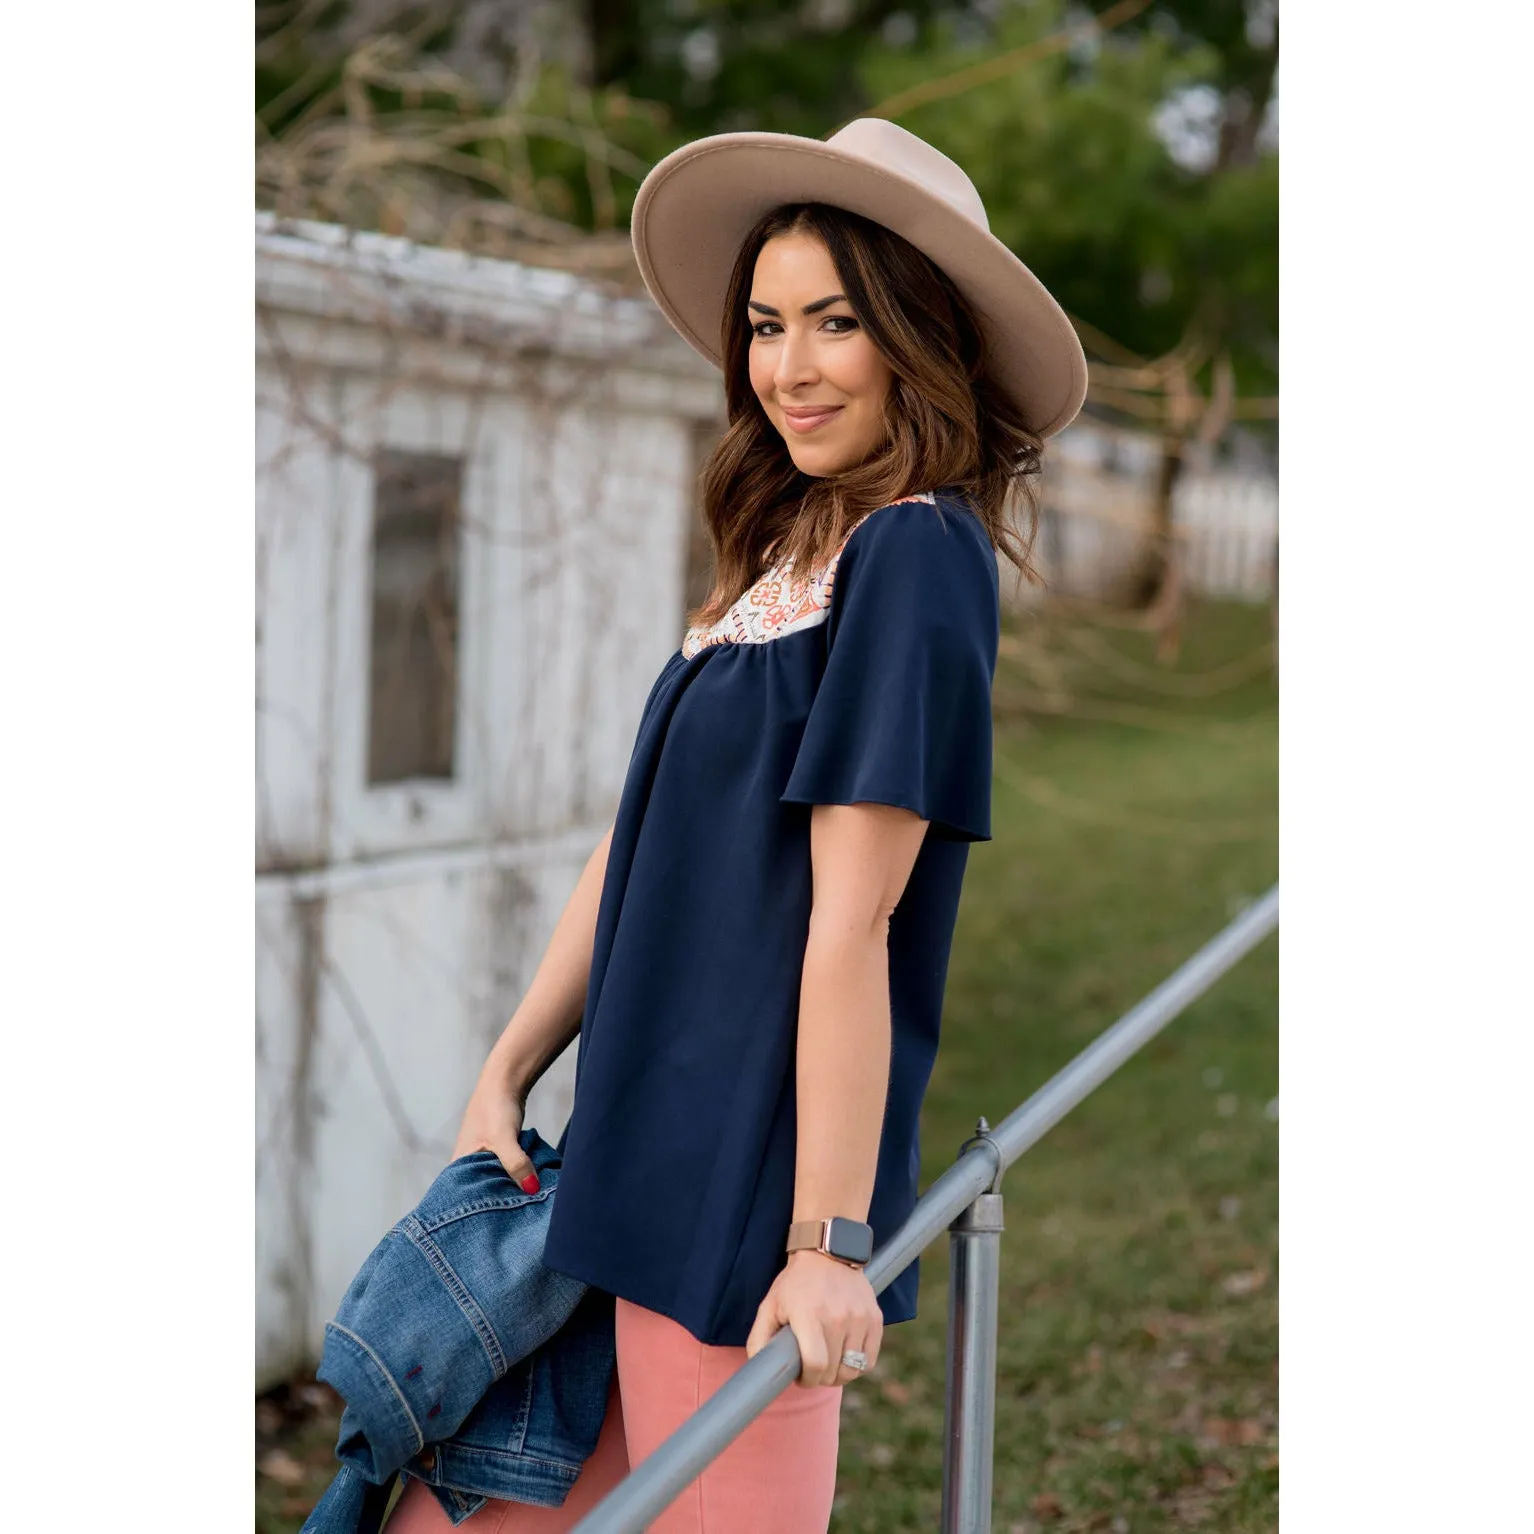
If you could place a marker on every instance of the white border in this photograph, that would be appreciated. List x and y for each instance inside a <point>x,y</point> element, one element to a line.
<point>1406,777</point>
<point>1406,770</point>
<point>129,971</point>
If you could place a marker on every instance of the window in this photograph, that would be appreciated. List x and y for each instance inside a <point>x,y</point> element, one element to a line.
<point>413,681</point>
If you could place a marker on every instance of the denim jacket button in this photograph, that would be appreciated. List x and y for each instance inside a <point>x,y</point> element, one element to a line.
<point>428,1459</point>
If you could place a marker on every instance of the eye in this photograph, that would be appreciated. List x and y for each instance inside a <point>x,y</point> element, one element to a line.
<point>844,324</point>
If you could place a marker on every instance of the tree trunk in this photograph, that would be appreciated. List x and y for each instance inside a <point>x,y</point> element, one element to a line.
<point>613,46</point>
<point>1239,127</point>
<point>1156,560</point>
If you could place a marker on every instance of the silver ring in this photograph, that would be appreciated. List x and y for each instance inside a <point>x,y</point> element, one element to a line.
<point>854,1359</point>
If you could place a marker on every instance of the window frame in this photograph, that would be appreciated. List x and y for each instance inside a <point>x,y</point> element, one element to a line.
<point>371,819</point>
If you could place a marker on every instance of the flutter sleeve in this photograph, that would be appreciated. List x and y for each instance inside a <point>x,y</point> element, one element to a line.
<point>902,713</point>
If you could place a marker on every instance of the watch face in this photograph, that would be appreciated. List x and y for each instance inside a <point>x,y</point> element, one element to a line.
<point>850,1239</point>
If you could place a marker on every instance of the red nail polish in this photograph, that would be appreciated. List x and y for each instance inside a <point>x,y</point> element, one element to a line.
<point>529,1184</point>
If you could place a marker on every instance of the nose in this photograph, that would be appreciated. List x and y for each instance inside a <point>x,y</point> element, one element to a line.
<point>796,363</point>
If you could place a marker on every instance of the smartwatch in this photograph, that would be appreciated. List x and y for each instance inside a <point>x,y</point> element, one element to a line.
<point>849,1241</point>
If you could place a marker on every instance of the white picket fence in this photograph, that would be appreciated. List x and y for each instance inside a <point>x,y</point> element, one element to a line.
<point>1095,513</point>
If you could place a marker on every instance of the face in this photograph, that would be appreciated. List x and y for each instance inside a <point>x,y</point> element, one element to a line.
<point>813,367</point>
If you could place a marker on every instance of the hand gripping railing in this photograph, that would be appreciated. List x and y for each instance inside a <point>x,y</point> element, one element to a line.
<point>965,1200</point>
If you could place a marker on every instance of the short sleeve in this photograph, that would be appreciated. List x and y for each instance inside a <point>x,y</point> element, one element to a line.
<point>902,714</point>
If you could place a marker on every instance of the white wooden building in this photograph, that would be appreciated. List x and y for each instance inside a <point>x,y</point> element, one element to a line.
<point>474,487</point>
<point>474,514</point>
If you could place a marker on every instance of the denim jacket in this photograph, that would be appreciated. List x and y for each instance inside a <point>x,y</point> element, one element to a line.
<point>464,1362</point>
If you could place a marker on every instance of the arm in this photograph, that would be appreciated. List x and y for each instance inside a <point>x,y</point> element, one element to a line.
<point>549,1016</point>
<point>897,746</point>
<point>861,857</point>
<point>542,1026</point>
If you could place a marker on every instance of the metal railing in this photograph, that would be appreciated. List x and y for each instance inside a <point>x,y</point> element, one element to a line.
<point>965,1200</point>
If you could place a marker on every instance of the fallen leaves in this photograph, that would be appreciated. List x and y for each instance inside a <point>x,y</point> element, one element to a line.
<point>280,1466</point>
<point>1169,1323</point>
<point>318,1397</point>
<point>296,1425</point>
<point>1245,1282</point>
<point>1090,1362</point>
<point>1240,1431</point>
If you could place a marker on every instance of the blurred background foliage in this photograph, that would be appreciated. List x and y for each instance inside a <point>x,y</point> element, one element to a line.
<point>1127,152</point>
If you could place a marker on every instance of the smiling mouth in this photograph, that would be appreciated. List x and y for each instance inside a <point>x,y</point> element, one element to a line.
<point>811,422</point>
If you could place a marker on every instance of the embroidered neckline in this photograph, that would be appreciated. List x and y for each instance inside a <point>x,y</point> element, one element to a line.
<point>781,602</point>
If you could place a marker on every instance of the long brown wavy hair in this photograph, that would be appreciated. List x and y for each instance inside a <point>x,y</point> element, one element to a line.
<point>948,426</point>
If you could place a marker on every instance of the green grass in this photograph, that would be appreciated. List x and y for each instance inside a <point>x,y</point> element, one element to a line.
<point>1137,1380</point>
<point>1137,1375</point>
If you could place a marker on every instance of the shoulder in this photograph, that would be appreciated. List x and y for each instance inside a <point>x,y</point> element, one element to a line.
<point>932,540</point>
<point>917,576</point>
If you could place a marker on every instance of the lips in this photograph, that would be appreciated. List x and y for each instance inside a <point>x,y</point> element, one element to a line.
<point>810,421</point>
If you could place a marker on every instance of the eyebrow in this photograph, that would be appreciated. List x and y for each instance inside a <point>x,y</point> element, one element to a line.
<point>814,308</point>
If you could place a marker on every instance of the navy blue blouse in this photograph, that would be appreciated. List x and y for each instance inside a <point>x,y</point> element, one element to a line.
<point>869,680</point>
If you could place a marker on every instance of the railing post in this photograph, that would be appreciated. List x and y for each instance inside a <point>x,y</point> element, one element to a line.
<point>969,1404</point>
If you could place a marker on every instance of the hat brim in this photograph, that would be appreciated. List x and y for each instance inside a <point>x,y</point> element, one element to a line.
<point>697,205</point>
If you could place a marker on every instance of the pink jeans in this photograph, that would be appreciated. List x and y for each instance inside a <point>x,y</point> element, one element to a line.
<point>778,1477</point>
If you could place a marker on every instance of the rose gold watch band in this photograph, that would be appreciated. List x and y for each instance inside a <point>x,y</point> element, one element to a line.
<point>812,1235</point>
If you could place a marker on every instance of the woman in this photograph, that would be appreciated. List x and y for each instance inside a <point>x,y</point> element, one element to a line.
<point>754,956</point>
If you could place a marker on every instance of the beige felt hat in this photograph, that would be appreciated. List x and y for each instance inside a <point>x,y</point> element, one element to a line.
<point>696,206</point>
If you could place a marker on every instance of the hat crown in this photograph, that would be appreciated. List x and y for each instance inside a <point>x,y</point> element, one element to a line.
<point>894,149</point>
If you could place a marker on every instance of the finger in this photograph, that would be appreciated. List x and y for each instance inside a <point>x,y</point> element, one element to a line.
<point>863,1339</point>
<point>873,1342</point>
<point>836,1342</point>
<point>812,1353</point>
<point>851,1340</point>
<point>872,1348</point>
<point>517,1164</point>
<point>764,1329</point>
